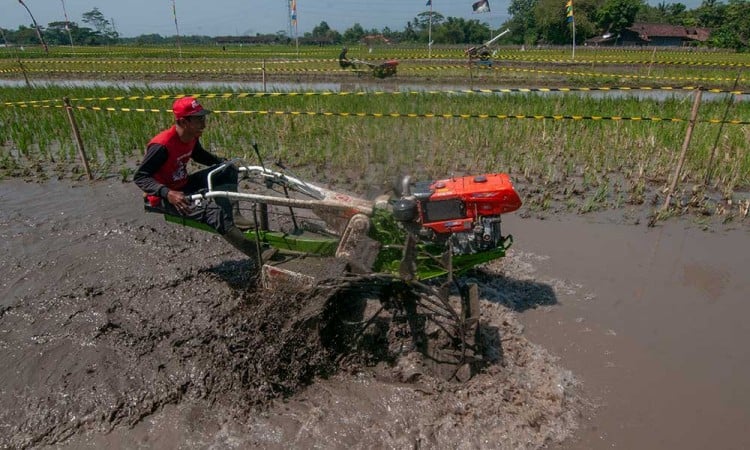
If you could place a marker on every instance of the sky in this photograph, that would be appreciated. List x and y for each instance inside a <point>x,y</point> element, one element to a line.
<point>248,17</point>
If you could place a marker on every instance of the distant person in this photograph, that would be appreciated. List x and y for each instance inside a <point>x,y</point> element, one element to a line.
<point>343,60</point>
<point>163,176</point>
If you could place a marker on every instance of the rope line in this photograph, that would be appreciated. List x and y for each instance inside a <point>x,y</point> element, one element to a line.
<point>419,115</point>
<point>228,95</point>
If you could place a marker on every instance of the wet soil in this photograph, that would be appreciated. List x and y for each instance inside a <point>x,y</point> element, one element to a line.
<point>120,329</point>
<point>651,320</point>
<point>600,331</point>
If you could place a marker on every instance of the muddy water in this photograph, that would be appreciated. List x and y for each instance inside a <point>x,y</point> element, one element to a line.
<point>118,329</point>
<point>655,326</point>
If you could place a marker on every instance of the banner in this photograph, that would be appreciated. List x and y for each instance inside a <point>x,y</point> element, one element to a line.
<point>482,6</point>
<point>569,11</point>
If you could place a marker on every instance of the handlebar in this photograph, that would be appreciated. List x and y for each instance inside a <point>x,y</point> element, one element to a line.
<point>268,176</point>
<point>220,168</point>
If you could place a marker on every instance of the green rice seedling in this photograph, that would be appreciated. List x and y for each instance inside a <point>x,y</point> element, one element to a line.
<point>321,138</point>
<point>597,201</point>
<point>637,191</point>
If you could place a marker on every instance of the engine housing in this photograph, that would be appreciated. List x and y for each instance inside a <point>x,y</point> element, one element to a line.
<point>463,210</point>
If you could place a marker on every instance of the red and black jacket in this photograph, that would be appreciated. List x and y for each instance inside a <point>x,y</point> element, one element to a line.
<point>164,167</point>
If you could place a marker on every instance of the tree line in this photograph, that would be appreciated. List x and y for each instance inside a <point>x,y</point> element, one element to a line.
<point>100,32</point>
<point>532,22</point>
<point>544,21</point>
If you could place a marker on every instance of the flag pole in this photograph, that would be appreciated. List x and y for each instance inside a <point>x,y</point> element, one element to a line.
<point>67,23</point>
<point>176,27</point>
<point>429,35</point>
<point>570,17</point>
<point>296,30</point>
<point>36,27</point>
<point>574,40</point>
<point>293,18</point>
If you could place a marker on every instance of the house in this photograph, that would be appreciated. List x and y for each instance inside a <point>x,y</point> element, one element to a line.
<point>371,39</point>
<point>654,34</point>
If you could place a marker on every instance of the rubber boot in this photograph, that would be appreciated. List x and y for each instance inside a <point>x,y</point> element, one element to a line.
<point>241,222</point>
<point>238,240</point>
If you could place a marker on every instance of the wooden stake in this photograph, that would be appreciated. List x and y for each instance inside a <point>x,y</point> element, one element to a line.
<point>263,72</point>
<point>685,145</point>
<point>471,74</point>
<point>651,64</point>
<point>23,71</point>
<point>77,135</point>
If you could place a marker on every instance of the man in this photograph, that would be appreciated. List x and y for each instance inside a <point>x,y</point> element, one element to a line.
<point>164,177</point>
<point>343,60</point>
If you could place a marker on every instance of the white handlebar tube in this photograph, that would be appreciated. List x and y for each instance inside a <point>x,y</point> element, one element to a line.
<point>492,41</point>
<point>321,198</point>
<point>276,177</point>
<point>218,169</point>
<point>358,206</point>
<point>283,179</point>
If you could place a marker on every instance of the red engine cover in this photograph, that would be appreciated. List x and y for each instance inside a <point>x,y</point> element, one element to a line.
<point>482,195</point>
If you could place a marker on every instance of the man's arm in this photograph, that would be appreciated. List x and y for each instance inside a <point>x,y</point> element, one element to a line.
<point>156,156</point>
<point>203,156</point>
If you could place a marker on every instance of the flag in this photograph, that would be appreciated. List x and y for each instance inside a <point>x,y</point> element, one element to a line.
<point>482,6</point>
<point>294,13</point>
<point>429,3</point>
<point>569,11</point>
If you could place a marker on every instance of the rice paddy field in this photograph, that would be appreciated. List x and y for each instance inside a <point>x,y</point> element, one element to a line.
<point>598,129</point>
<point>121,330</point>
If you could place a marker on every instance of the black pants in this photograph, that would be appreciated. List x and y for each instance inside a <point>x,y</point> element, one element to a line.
<point>214,212</point>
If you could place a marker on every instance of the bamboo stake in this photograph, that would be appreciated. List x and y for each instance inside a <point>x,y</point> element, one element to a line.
<point>471,74</point>
<point>685,145</point>
<point>651,64</point>
<point>23,71</point>
<point>263,73</point>
<point>18,58</point>
<point>77,135</point>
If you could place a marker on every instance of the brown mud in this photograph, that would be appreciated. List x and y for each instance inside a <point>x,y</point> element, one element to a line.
<point>653,323</point>
<point>120,329</point>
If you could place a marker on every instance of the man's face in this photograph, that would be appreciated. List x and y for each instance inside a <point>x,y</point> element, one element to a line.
<point>195,124</point>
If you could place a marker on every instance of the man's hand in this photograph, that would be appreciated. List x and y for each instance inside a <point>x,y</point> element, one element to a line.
<point>179,201</point>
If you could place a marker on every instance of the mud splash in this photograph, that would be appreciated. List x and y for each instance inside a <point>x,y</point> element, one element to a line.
<point>120,329</point>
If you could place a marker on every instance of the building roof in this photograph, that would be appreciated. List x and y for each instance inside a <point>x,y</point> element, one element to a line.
<point>647,31</point>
